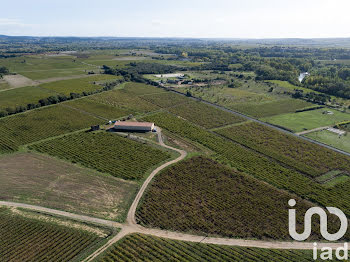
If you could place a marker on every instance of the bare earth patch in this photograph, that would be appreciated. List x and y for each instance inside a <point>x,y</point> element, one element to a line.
<point>49,182</point>
<point>19,81</point>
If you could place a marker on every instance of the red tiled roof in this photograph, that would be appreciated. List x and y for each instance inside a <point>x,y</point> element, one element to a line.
<point>143,124</point>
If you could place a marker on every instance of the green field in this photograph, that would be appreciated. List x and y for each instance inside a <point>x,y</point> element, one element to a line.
<point>267,109</point>
<point>332,139</point>
<point>138,247</point>
<point>35,125</point>
<point>228,96</point>
<point>4,85</point>
<point>165,99</point>
<point>142,89</point>
<point>204,115</point>
<point>53,183</point>
<point>306,157</point>
<point>42,67</point>
<point>23,96</point>
<point>79,85</point>
<point>202,196</point>
<point>290,87</point>
<point>105,152</point>
<point>93,107</point>
<point>308,120</point>
<point>124,100</point>
<point>24,239</point>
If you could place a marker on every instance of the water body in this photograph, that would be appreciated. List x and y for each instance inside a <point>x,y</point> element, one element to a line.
<point>302,76</point>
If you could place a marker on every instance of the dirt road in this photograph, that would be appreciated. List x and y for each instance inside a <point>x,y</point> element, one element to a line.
<point>132,227</point>
<point>65,214</point>
<point>312,130</point>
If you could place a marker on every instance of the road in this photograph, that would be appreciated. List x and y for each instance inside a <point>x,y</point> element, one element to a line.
<point>130,226</point>
<point>312,130</point>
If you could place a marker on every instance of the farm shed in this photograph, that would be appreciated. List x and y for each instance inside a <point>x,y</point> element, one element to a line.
<point>134,126</point>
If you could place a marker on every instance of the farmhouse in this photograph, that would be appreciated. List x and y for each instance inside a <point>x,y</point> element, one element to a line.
<point>134,126</point>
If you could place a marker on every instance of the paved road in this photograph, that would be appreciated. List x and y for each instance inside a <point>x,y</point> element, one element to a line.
<point>266,124</point>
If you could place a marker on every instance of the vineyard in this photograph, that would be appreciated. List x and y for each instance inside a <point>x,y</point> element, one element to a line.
<point>39,124</point>
<point>22,96</point>
<point>205,115</point>
<point>310,158</point>
<point>166,99</point>
<point>24,239</point>
<point>271,108</point>
<point>256,164</point>
<point>105,152</point>
<point>124,100</point>
<point>79,85</point>
<point>138,247</point>
<point>202,196</point>
<point>142,89</point>
<point>93,107</point>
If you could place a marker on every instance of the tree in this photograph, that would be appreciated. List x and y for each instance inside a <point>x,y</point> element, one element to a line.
<point>188,93</point>
<point>3,70</point>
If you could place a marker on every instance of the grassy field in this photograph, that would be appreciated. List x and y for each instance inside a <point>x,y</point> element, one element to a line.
<point>96,108</point>
<point>165,99</point>
<point>227,96</point>
<point>79,85</point>
<point>24,239</point>
<point>250,97</point>
<point>105,152</point>
<point>332,139</point>
<point>52,183</point>
<point>285,85</point>
<point>23,96</point>
<point>202,196</point>
<point>138,247</point>
<point>204,115</point>
<point>256,164</point>
<point>125,101</point>
<point>267,109</point>
<point>309,158</point>
<point>42,123</point>
<point>308,120</point>
<point>142,89</point>
<point>4,85</point>
<point>42,67</point>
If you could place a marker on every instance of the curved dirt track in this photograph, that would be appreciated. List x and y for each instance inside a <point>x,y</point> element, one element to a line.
<point>132,227</point>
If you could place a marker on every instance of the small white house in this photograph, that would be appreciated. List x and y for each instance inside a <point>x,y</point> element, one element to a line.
<point>133,126</point>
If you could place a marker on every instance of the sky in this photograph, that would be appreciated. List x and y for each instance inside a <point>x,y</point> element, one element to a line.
<point>181,18</point>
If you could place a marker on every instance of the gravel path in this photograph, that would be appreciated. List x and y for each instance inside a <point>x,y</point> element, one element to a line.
<point>132,227</point>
